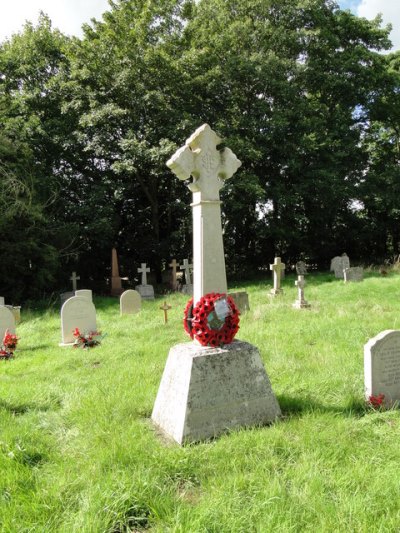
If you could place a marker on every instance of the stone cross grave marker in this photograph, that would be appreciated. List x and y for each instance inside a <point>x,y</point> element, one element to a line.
<point>186,268</point>
<point>174,281</point>
<point>300,303</point>
<point>130,302</point>
<point>74,278</point>
<point>77,312</point>
<point>382,367</point>
<point>165,307</point>
<point>143,270</point>
<point>277,267</point>
<point>209,168</point>
<point>7,322</point>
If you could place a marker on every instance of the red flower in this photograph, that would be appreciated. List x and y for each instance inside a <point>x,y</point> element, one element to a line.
<point>376,401</point>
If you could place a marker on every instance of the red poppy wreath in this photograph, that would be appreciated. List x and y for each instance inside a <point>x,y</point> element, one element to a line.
<point>207,324</point>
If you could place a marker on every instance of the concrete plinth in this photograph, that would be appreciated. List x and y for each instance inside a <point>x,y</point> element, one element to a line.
<point>206,391</point>
<point>145,291</point>
<point>301,304</point>
<point>275,292</point>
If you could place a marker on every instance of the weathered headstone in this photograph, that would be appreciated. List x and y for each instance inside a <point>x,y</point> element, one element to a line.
<point>301,268</point>
<point>241,299</point>
<point>174,281</point>
<point>206,391</point>
<point>300,303</point>
<point>74,278</point>
<point>85,293</point>
<point>7,322</point>
<point>277,267</point>
<point>146,291</point>
<point>382,367</point>
<point>116,283</point>
<point>353,274</point>
<point>187,287</point>
<point>16,311</point>
<point>64,296</point>
<point>77,312</point>
<point>338,264</point>
<point>130,302</point>
<point>1,300</point>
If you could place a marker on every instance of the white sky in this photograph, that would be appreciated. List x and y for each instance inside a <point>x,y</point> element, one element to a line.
<point>69,15</point>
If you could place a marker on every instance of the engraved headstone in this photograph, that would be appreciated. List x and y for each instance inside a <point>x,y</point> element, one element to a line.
<point>85,293</point>
<point>277,267</point>
<point>130,302</point>
<point>353,274</point>
<point>301,268</point>
<point>77,312</point>
<point>382,367</point>
<point>241,300</point>
<point>7,321</point>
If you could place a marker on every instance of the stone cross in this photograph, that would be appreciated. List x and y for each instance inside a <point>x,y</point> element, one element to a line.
<point>165,308</point>
<point>143,271</point>
<point>74,278</point>
<point>186,267</point>
<point>174,282</point>
<point>277,267</point>
<point>300,302</point>
<point>209,168</point>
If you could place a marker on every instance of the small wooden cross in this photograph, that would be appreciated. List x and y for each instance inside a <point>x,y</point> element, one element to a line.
<point>74,279</point>
<point>165,308</point>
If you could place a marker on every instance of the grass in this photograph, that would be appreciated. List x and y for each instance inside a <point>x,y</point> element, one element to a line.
<point>78,452</point>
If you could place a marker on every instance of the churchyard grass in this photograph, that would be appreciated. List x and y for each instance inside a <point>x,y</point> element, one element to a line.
<point>78,452</point>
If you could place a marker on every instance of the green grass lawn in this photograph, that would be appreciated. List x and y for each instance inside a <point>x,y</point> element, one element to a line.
<point>78,452</point>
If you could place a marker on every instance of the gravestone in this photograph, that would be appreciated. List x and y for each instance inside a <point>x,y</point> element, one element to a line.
<point>353,274</point>
<point>116,280</point>
<point>130,302</point>
<point>187,287</point>
<point>77,312</point>
<point>174,281</point>
<point>2,300</point>
<point>338,264</point>
<point>241,299</point>
<point>7,322</point>
<point>301,302</point>
<point>74,278</point>
<point>146,291</point>
<point>64,296</point>
<point>85,293</point>
<point>206,391</point>
<point>16,311</point>
<point>301,268</point>
<point>382,367</point>
<point>277,267</point>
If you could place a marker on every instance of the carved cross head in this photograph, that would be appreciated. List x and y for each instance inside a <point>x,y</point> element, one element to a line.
<point>208,166</point>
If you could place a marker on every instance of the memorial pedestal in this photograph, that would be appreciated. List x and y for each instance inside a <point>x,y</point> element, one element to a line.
<point>187,289</point>
<point>145,291</point>
<point>207,391</point>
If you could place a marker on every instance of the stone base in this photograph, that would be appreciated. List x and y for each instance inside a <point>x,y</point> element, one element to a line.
<point>66,296</point>
<point>187,289</point>
<point>241,300</point>
<point>275,292</point>
<point>145,291</point>
<point>63,344</point>
<point>207,391</point>
<point>301,304</point>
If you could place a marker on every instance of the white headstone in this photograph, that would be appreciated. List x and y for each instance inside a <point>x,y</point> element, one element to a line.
<point>353,274</point>
<point>7,321</point>
<point>382,367</point>
<point>130,302</point>
<point>277,267</point>
<point>85,293</point>
<point>77,312</point>
<point>241,299</point>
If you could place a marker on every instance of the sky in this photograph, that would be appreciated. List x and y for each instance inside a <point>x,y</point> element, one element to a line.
<point>69,15</point>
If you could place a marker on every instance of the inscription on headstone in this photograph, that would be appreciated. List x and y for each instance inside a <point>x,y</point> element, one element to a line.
<point>382,366</point>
